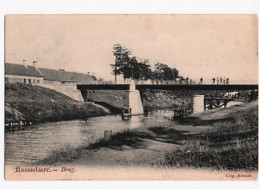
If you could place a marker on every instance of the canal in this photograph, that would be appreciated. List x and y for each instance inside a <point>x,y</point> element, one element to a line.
<point>30,144</point>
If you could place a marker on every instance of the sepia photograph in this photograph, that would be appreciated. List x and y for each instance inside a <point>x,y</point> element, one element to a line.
<point>131,97</point>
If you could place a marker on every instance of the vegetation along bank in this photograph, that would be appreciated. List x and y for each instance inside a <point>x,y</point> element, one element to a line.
<point>37,104</point>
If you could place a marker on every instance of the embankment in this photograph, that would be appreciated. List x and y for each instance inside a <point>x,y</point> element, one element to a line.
<point>231,142</point>
<point>154,99</point>
<point>38,104</point>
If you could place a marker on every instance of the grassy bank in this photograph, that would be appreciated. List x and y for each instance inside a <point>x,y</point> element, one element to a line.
<point>37,104</point>
<point>230,144</point>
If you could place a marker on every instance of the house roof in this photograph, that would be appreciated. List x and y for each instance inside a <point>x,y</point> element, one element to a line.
<point>59,75</point>
<point>19,69</point>
<point>47,74</point>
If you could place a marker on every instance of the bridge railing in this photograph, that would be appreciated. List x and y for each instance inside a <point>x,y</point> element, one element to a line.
<point>154,82</point>
<point>146,82</point>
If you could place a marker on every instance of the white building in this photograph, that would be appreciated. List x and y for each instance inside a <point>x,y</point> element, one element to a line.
<point>23,74</point>
<point>58,80</point>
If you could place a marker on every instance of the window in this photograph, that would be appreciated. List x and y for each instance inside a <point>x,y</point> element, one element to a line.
<point>24,81</point>
<point>33,80</point>
<point>38,81</point>
<point>29,81</point>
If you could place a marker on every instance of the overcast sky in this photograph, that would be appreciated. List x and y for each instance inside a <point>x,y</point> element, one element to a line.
<point>197,45</point>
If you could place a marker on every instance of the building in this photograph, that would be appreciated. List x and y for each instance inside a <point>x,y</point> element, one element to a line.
<point>23,74</point>
<point>51,76</point>
<point>58,80</point>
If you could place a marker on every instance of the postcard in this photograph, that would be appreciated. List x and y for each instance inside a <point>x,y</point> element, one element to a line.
<point>131,97</point>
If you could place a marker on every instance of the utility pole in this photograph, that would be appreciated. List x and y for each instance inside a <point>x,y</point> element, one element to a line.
<point>115,71</point>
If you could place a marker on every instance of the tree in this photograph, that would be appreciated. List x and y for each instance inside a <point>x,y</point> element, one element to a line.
<point>136,69</point>
<point>164,72</point>
<point>126,69</point>
<point>139,69</point>
<point>121,58</point>
<point>129,67</point>
<point>159,71</point>
<point>144,70</point>
<point>175,73</point>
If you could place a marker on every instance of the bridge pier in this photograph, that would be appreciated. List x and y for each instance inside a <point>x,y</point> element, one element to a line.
<point>198,103</point>
<point>134,100</point>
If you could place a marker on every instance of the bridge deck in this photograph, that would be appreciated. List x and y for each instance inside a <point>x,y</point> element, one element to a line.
<point>166,87</point>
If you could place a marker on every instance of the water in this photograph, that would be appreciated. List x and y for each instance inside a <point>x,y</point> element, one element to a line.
<point>31,144</point>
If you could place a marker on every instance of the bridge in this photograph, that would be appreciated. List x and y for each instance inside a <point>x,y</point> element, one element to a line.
<point>135,102</point>
<point>186,87</point>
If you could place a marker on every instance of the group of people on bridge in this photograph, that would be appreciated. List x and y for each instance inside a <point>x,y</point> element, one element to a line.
<point>220,81</point>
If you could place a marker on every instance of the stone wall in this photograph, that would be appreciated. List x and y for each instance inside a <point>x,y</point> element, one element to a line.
<point>68,89</point>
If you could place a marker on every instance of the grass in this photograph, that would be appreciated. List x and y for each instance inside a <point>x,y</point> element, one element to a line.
<point>38,104</point>
<point>165,99</point>
<point>154,99</point>
<point>66,154</point>
<point>228,145</point>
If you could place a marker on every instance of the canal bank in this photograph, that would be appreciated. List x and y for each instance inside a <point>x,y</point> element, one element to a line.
<point>37,104</point>
<point>152,99</point>
<point>221,139</point>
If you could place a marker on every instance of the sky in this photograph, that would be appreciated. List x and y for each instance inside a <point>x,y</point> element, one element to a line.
<point>197,45</point>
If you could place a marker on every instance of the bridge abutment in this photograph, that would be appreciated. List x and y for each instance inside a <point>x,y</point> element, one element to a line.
<point>134,99</point>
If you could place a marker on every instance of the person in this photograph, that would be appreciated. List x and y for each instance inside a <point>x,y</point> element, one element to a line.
<point>213,80</point>
<point>227,81</point>
<point>201,80</point>
<point>217,80</point>
<point>224,81</point>
<point>220,79</point>
<point>187,80</point>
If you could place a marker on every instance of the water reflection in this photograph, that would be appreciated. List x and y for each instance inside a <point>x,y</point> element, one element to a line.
<point>27,146</point>
<point>133,121</point>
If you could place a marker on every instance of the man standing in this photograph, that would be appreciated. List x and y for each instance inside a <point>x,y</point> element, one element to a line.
<point>227,81</point>
<point>213,80</point>
<point>220,79</point>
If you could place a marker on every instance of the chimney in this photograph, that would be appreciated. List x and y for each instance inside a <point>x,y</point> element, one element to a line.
<point>35,64</point>
<point>24,63</point>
